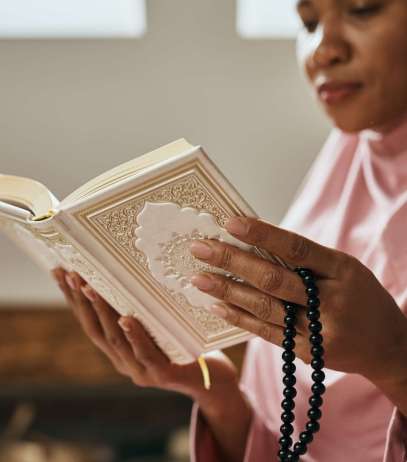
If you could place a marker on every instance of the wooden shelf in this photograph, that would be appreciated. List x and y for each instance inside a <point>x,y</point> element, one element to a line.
<point>47,345</point>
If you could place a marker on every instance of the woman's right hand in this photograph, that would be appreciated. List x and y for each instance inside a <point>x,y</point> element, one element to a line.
<point>134,353</point>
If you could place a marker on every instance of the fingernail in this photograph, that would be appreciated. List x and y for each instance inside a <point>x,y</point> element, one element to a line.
<point>218,310</point>
<point>200,249</point>
<point>237,226</point>
<point>124,324</point>
<point>70,281</point>
<point>89,293</point>
<point>202,282</point>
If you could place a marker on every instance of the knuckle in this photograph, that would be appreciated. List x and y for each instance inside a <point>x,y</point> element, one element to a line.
<point>263,307</point>
<point>299,248</point>
<point>115,341</point>
<point>346,267</point>
<point>258,231</point>
<point>225,258</point>
<point>234,317</point>
<point>131,337</point>
<point>271,280</point>
<point>294,287</point>
<point>227,290</point>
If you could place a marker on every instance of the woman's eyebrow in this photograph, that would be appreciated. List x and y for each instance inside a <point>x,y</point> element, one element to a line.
<point>303,4</point>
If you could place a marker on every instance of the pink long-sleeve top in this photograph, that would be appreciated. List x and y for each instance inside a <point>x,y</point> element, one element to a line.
<point>354,198</point>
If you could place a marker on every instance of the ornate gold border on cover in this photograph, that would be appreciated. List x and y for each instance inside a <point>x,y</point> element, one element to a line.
<point>188,185</point>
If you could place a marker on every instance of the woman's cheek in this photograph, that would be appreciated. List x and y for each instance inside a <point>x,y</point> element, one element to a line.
<point>387,99</point>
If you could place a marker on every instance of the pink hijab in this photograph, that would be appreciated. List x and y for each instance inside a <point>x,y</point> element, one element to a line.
<point>354,198</point>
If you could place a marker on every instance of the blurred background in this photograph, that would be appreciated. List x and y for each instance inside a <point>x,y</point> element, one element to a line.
<point>86,85</point>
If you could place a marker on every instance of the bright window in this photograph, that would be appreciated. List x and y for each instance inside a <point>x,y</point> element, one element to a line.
<point>267,18</point>
<point>72,18</point>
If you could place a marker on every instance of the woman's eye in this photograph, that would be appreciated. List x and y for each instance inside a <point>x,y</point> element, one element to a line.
<point>365,11</point>
<point>310,25</point>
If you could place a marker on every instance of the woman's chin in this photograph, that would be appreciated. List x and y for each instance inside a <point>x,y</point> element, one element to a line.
<point>352,119</point>
<point>363,113</point>
<point>353,124</point>
<point>349,126</point>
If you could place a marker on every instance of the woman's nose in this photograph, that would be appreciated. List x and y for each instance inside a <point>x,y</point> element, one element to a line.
<point>331,46</point>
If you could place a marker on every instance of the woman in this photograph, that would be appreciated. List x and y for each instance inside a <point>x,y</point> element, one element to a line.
<point>348,226</point>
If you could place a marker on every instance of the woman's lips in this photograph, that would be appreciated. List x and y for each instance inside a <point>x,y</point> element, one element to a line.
<point>336,92</point>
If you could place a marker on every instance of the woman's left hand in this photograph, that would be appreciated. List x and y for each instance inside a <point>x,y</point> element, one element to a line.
<point>364,330</point>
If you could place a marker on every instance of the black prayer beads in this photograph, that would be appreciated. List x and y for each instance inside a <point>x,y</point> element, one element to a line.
<point>287,452</point>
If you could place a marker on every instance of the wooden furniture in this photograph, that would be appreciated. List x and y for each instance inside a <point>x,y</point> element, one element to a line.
<point>50,368</point>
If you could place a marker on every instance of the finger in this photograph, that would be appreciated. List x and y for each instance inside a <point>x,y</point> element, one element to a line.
<point>239,318</point>
<point>114,335</point>
<point>78,300</point>
<point>293,248</point>
<point>59,275</point>
<point>83,311</point>
<point>266,276</point>
<point>143,345</point>
<point>261,305</point>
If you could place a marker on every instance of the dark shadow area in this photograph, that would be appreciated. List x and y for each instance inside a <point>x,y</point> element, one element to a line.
<point>110,423</point>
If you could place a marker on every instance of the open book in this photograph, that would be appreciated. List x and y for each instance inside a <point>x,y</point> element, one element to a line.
<point>127,233</point>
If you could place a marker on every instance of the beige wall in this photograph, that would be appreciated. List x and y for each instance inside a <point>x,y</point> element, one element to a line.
<point>71,109</point>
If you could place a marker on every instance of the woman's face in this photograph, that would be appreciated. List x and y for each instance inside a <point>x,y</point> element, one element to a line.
<point>354,53</point>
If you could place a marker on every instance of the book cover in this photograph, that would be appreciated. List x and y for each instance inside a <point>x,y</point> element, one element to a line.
<point>128,236</point>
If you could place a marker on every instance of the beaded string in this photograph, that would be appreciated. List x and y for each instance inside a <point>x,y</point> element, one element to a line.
<point>285,453</point>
